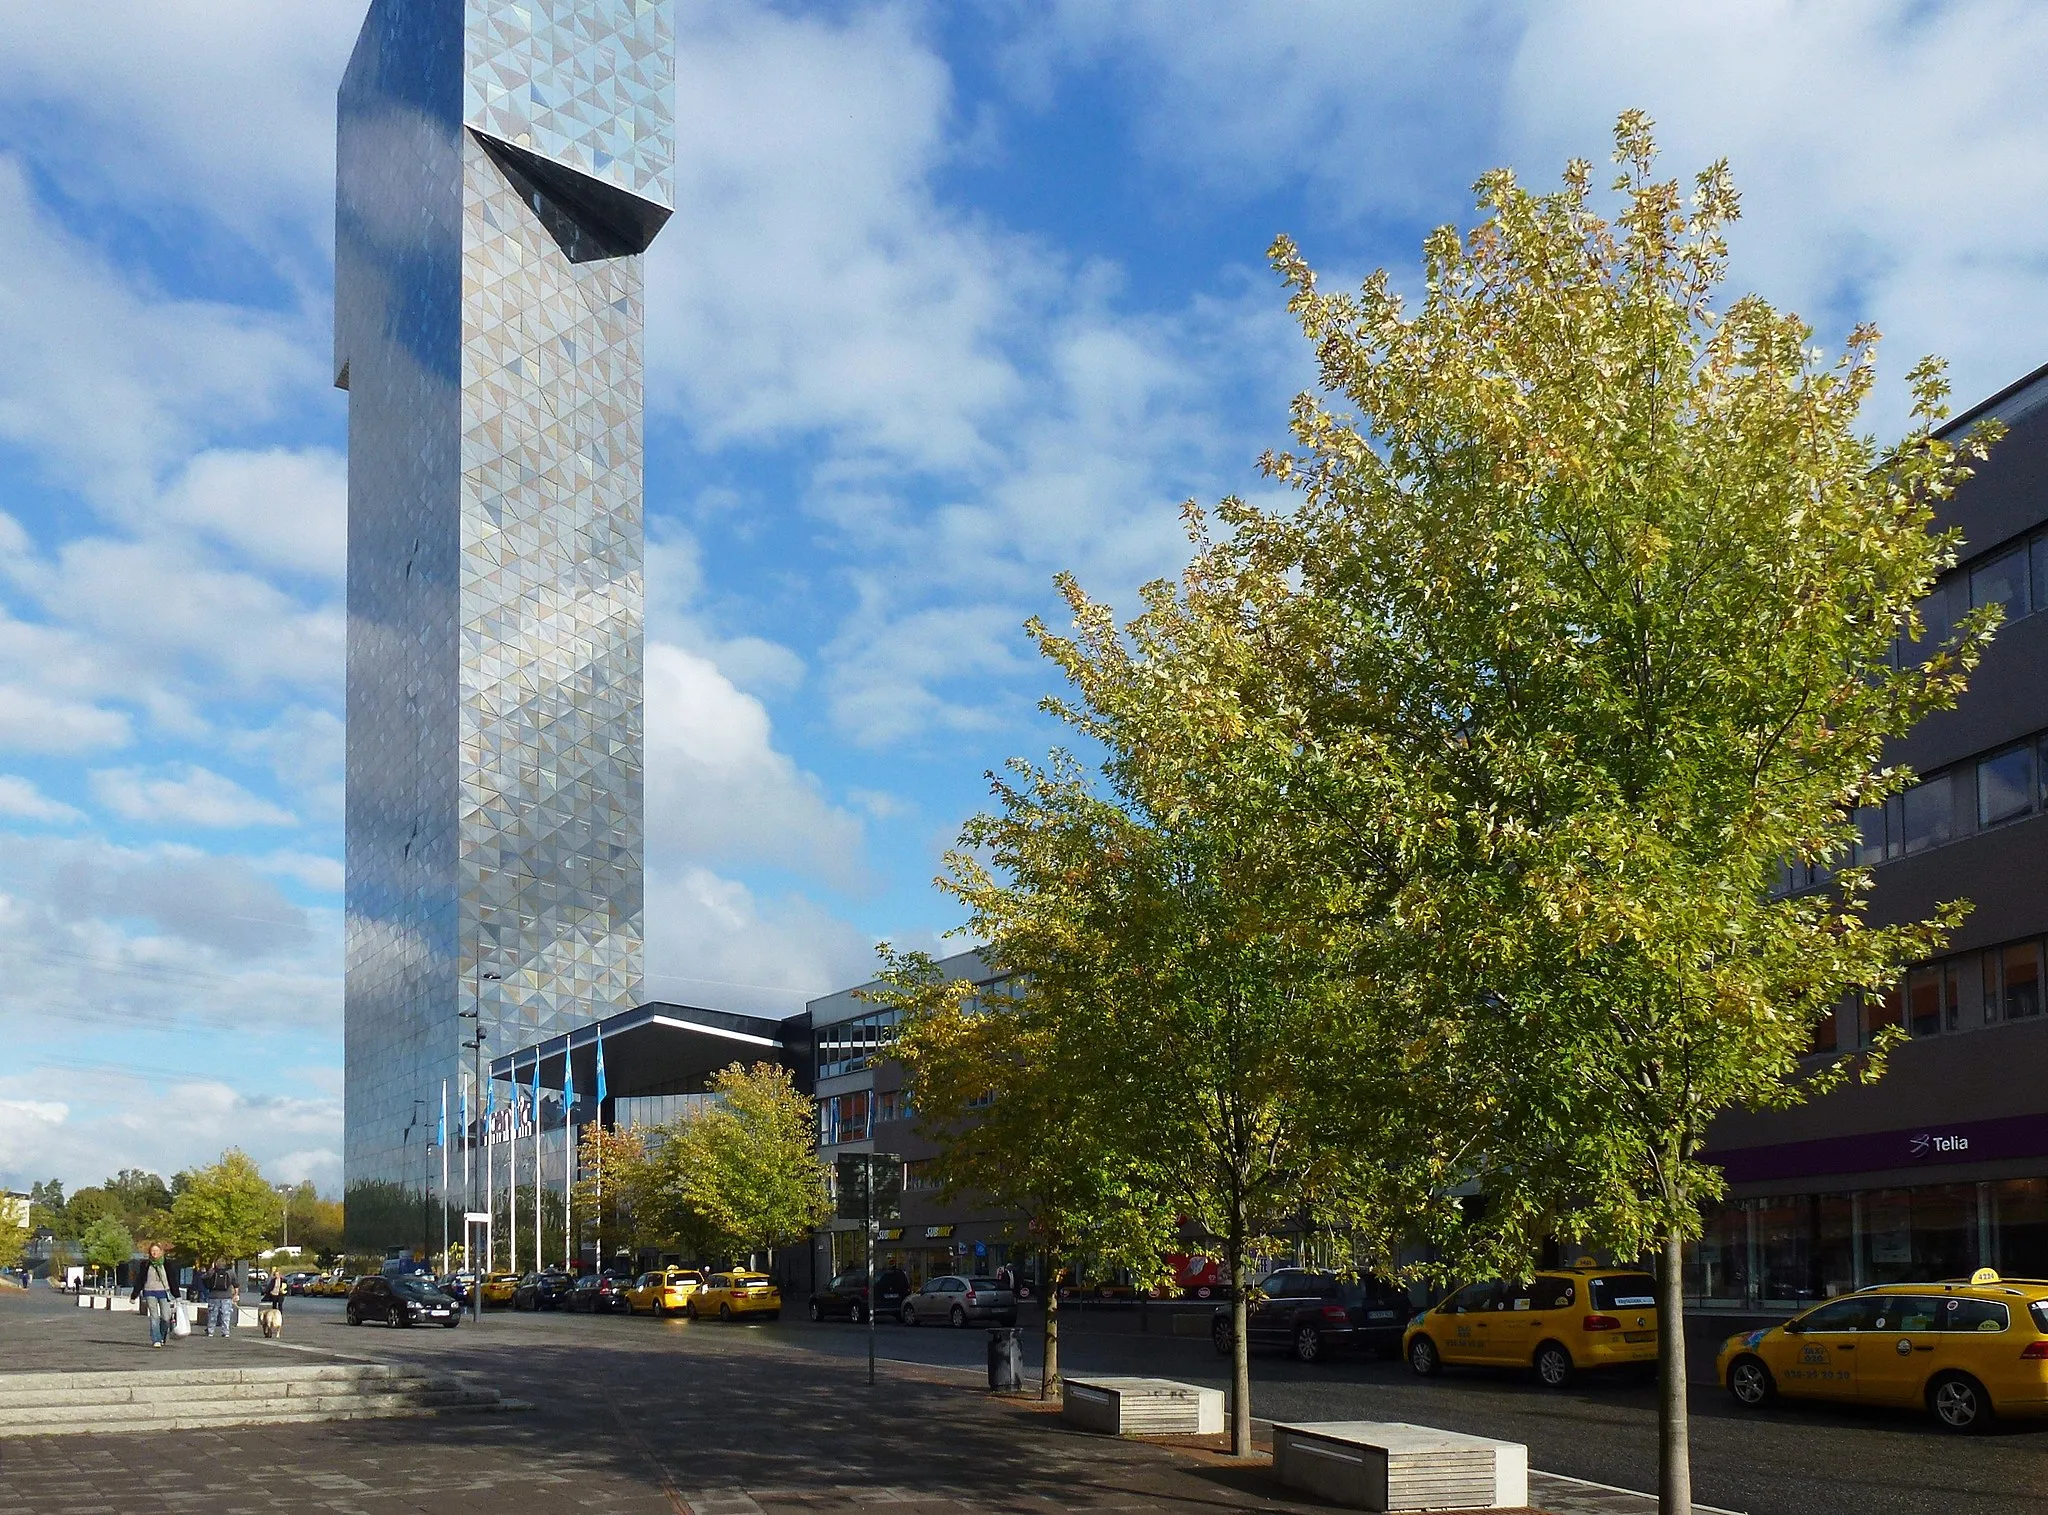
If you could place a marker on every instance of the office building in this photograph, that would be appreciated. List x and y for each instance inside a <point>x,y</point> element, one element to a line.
<point>502,166</point>
<point>1941,1166</point>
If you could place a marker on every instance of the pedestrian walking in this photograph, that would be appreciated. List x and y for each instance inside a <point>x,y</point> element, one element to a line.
<point>221,1300</point>
<point>154,1293</point>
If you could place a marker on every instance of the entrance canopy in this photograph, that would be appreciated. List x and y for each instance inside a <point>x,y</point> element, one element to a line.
<point>661,1048</point>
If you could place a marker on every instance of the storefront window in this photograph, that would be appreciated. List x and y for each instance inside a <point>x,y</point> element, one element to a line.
<point>1911,1235</point>
<point>1784,1248</point>
<point>2019,1227</point>
<point>1717,1267</point>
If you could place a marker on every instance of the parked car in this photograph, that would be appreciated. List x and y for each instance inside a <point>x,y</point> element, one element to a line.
<point>409,1299</point>
<point>332,1286</point>
<point>1962,1351</point>
<point>599,1293</point>
<point>1315,1315</point>
<point>663,1291</point>
<point>298,1283</point>
<point>457,1286</point>
<point>1563,1321</point>
<point>548,1289</point>
<point>957,1300</point>
<point>498,1289</point>
<point>730,1296</point>
<point>846,1297</point>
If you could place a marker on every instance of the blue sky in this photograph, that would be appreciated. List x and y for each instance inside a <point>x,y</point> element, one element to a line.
<point>955,296</point>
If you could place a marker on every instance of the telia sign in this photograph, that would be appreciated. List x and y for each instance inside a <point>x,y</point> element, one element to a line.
<point>1977,1141</point>
<point>1929,1144</point>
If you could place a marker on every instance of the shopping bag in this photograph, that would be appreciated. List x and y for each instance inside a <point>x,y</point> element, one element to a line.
<point>181,1318</point>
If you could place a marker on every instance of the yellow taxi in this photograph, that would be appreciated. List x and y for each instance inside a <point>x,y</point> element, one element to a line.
<point>730,1296</point>
<point>333,1286</point>
<point>499,1289</point>
<point>1561,1322</point>
<point>1964,1351</point>
<point>658,1293</point>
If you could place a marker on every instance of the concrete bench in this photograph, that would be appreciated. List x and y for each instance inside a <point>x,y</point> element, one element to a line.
<point>1390,1465</point>
<point>1143,1407</point>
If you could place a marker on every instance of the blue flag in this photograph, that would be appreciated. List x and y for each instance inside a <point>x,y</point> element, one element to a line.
<point>441,1125</point>
<point>536,1092</point>
<point>467,1134</point>
<point>490,1104</point>
<point>600,1071</point>
<point>568,1088</point>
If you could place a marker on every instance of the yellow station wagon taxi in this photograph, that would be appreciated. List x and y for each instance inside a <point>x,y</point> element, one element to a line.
<point>732,1295</point>
<point>659,1293</point>
<point>1965,1351</point>
<point>498,1289</point>
<point>1561,1322</point>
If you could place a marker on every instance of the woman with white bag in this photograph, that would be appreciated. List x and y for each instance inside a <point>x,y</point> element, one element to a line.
<point>153,1291</point>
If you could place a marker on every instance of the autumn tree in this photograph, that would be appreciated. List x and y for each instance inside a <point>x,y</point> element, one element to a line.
<point>107,1243</point>
<point>614,1193</point>
<point>1008,1101</point>
<point>226,1210</point>
<point>742,1176</point>
<point>1605,565</point>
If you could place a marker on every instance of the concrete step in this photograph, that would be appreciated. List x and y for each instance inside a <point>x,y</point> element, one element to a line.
<point>51,1404</point>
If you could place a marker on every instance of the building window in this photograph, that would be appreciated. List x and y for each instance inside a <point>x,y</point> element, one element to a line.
<point>843,1118</point>
<point>892,1104</point>
<point>1923,1001</point>
<point>848,1046</point>
<point>2006,786</point>
<point>2002,581</point>
<point>2018,990</point>
<point>918,1177</point>
<point>1927,815</point>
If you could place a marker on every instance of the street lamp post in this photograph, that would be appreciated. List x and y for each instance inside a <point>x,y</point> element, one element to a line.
<point>476,1049</point>
<point>284,1193</point>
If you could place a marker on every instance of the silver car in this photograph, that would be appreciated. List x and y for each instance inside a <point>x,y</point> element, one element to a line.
<point>957,1300</point>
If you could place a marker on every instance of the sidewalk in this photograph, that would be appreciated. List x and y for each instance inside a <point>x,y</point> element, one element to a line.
<point>684,1423</point>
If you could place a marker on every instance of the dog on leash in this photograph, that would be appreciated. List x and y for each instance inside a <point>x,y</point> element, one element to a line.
<point>271,1319</point>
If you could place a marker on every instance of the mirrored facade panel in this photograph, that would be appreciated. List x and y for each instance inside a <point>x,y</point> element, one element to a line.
<point>488,330</point>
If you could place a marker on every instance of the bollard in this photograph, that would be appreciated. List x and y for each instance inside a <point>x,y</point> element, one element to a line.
<point>1005,1360</point>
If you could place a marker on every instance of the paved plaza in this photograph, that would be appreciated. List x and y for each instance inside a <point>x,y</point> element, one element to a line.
<point>664,1419</point>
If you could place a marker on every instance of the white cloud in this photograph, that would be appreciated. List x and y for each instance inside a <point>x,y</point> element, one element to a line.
<point>24,801</point>
<point>229,102</point>
<point>711,940</point>
<point>314,870</point>
<point>1893,158</point>
<point>718,791</point>
<point>33,721</point>
<point>106,382</point>
<point>185,796</point>
<point>277,509</point>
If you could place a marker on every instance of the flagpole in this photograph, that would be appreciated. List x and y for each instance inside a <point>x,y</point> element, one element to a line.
<point>490,1178</point>
<point>568,1156</point>
<point>538,1188</point>
<point>600,1150</point>
<point>444,1177</point>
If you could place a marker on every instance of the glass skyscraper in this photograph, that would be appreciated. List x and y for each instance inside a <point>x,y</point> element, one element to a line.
<point>502,166</point>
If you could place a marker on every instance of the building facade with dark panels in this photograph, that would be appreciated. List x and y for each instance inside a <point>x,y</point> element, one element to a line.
<point>1941,1166</point>
<point>862,1107</point>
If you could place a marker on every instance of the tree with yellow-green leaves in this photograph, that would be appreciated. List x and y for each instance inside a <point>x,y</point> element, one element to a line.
<point>226,1210</point>
<point>741,1176</point>
<point>1006,1097</point>
<point>1605,571</point>
<point>614,1194</point>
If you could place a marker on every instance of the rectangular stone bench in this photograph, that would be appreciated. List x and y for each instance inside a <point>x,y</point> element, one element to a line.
<point>1390,1465</point>
<point>1143,1407</point>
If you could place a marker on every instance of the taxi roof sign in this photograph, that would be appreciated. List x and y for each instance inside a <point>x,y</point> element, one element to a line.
<point>1984,1276</point>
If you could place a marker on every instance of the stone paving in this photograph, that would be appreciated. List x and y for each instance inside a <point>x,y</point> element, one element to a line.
<point>672,1423</point>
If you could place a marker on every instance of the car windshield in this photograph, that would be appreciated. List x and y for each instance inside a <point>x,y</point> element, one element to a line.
<point>412,1286</point>
<point>850,1281</point>
<point>1624,1291</point>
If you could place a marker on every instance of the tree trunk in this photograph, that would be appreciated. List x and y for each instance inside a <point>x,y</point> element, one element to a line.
<point>1674,1450</point>
<point>1240,1348</point>
<point>1049,1378</point>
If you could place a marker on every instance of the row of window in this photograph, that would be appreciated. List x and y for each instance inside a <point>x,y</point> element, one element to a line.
<point>849,1046</point>
<point>1962,993</point>
<point>2016,577</point>
<point>851,1117</point>
<point>1975,795</point>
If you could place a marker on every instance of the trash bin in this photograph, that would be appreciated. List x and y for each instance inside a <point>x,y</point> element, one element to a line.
<point>1005,1359</point>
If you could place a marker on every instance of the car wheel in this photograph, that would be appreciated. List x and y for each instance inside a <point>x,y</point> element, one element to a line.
<point>452,1322</point>
<point>355,1316</point>
<point>725,1312</point>
<point>1959,1402</point>
<point>956,1318</point>
<point>1424,1358</point>
<point>909,1313</point>
<point>394,1316</point>
<point>1308,1344</point>
<point>817,1311</point>
<point>689,1309</point>
<point>1219,1333</point>
<point>1553,1365</point>
<point>857,1314</point>
<point>1750,1382</point>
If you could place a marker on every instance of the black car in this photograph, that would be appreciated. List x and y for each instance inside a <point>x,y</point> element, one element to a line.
<point>549,1290</point>
<point>410,1299</point>
<point>600,1292</point>
<point>846,1297</point>
<point>1315,1314</point>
